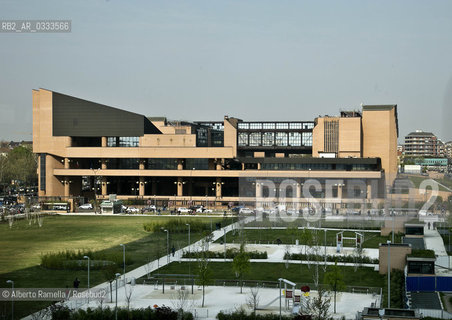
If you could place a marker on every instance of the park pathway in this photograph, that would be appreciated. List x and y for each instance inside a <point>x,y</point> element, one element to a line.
<point>154,265</point>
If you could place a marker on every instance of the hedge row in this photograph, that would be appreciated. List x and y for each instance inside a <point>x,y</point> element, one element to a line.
<point>73,260</point>
<point>159,313</point>
<point>241,315</point>
<point>177,226</point>
<point>313,257</point>
<point>230,254</point>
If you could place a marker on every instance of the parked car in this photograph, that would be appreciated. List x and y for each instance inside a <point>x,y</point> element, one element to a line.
<point>424,213</point>
<point>132,210</point>
<point>183,210</point>
<point>86,206</point>
<point>208,210</point>
<point>150,208</point>
<point>245,211</point>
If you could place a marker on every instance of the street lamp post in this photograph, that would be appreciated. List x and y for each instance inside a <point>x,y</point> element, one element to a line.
<point>189,244</point>
<point>224,230</point>
<point>124,260</point>
<point>116,305</point>
<point>389,273</point>
<point>12,299</point>
<point>167,246</point>
<point>86,257</point>
<point>280,279</point>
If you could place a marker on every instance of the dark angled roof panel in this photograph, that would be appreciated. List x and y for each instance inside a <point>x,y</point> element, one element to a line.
<point>81,118</point>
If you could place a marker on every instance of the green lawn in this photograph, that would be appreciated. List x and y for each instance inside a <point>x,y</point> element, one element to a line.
<point>22,245</point>
<point>371,239</point>
<point>300,274</point>
<point>302,222</point>
<point>417,180</point>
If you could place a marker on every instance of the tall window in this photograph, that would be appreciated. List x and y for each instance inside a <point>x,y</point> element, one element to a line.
<point>307,138</point>
<point>243,139</point>
<point>42,171</point>
<point>255,139</point>
<point>268,139</point>
<point>295,139</point>
<point>281,138</point>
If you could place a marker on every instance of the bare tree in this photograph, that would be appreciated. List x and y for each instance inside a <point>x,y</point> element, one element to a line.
<point>253,299</point>
<point>129,293</point>
<point>182,302</point>
<point>318,307</point>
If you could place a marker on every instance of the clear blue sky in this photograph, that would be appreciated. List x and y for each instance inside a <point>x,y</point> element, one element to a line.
<point>256,60</point>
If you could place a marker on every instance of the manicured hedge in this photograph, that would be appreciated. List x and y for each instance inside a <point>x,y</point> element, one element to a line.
<point>230,254</point>
<point>159,313</point>
<point>73,260</point>
<point>313,257</point>
<point>178,226</point>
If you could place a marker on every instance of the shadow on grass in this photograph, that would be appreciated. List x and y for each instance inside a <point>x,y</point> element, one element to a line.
<point>140,252</point>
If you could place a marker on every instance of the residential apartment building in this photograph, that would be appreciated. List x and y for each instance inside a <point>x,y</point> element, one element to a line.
<point>421,144</point>
<point>86,149</point>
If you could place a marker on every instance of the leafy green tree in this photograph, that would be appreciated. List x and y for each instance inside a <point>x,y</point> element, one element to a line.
<point>21,165</point>
<point>204,273</point>
<point>241,264</point>
<point>335,280</point>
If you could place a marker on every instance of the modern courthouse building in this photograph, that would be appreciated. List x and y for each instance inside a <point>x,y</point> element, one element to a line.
<point>87,149</point>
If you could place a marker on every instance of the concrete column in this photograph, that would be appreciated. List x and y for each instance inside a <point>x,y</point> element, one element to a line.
<point>180,188</point>
<point>218,188</point>
<point>180,165</point>
<point>243,166</point>
<point>298,190</point>
<point>141,186</point>
<point>339,191</point>
<point>66,163</point>
<point>259,166</point>
<point>218,164</point>
<point>104,141</point>
<point>141,165</point>
<point>258,190</point>
<point>369,189</point>
<point>103,164</point>
<point>104,186</point>
<point>66,186</point>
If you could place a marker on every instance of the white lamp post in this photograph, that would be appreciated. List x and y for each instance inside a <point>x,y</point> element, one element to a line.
<point>124,260</point>
<point>389,273</point>
<point>116,305</point>
<point>12,299</point>
<point>167,246</point>
<point>86,257</point>
<point>189,244</point>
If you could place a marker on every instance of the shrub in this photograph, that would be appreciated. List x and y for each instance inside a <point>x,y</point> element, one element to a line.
<point>230,254</point>
<point>313,257</point>
<point>73,260</point>
<point>159,313</point>
<point>177,226</point>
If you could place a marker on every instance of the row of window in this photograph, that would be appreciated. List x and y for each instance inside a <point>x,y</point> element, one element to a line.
<point>317,166</point>
<point>267,139</point>
<point>123,141</point>
<point>275,125</point>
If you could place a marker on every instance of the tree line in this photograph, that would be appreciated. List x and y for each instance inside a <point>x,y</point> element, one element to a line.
<point>18,166</point>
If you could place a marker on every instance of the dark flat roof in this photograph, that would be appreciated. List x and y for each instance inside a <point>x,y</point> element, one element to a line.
<point>416,243</point>
<point>425,300</point>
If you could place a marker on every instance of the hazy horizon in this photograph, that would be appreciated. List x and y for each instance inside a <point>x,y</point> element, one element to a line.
<point>254,60</point>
